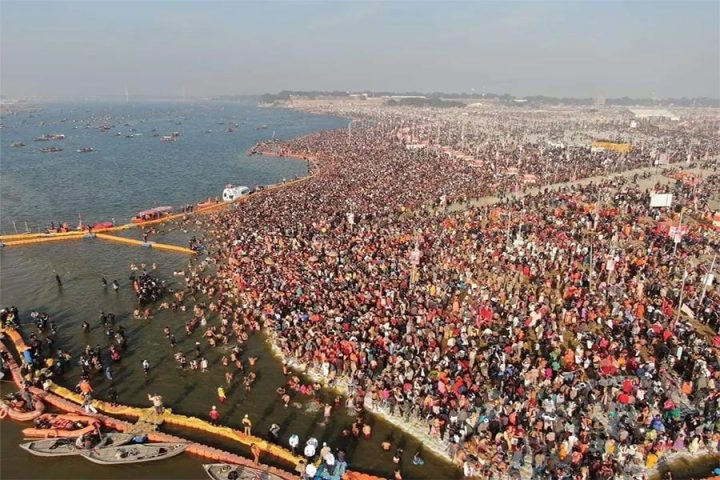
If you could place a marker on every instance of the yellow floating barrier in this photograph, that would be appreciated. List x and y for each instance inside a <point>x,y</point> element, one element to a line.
<point>28,236</point>
<point>155,245</point>
<point>183,421</point>
<point>30,241</point>
<point>70,401</point>
<point>19,239</point>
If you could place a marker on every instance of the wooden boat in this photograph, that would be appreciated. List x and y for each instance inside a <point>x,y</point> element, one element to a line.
<point>102,226</point>
<point>223,471</point>
<point>59,447</point>
<point>152,215</point>
<point>134,453</point>
<point>6,409</point>
<point>67,425</point>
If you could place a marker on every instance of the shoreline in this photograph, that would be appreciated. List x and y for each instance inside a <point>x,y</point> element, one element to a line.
<point>313,161</point>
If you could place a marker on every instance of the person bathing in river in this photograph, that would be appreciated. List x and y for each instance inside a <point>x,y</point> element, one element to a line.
<point>247,425</point>
<point>255,453</point>
<point>214,415</point>
<point>274,432</point>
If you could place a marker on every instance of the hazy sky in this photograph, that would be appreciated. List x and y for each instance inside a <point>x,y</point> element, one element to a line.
<point>570,48</point>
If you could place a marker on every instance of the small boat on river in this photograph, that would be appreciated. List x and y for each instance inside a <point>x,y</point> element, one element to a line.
<point>51,425</point>
<point>152,215</point>
<point>10,409</point>
<point>60,447</point>
<point>134,453</point>
<point>226,471</point>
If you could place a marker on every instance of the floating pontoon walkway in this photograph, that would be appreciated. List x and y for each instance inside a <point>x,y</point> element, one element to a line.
<point>140,243</point>
<point>103,236</point>
<point>23,239</point>
<point>69,401</point>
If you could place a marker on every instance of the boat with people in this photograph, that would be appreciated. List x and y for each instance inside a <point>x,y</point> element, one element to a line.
<point>85,150</point>
<point>98,226</point>
<point>17,409</point>
<point>232,193</point>
<point>134,453</point>
<point>17,144</point>
<point>226,471</point>
<point>50,136</point>
<point>50,425</point>
<point>51,149</point>
<point>167,138</point>
<point>152,215</point>
<point>61,447</point>
<point>66,228</point>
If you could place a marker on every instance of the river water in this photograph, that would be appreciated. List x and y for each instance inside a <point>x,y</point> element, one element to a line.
<point>124,175</point>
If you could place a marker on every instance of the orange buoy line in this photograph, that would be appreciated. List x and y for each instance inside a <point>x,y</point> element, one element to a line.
<point>66,400</point>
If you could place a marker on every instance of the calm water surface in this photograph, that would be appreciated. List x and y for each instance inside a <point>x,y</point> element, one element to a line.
<point>122,176</point>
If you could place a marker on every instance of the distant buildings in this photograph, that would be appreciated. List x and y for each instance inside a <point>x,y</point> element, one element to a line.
<point>653,113</point>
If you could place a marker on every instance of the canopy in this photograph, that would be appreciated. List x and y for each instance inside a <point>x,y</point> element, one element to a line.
<point>154,211</point>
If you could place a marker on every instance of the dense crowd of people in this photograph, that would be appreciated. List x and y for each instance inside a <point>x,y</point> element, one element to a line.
<point>558,333</point>
<point>540,332</point>
<point>147,287</point>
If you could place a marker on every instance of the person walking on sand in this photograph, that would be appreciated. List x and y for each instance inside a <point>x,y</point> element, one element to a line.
<point>221,394</point>
<point>247,425</point>
<point>146,366</point>
<point>255,453</point>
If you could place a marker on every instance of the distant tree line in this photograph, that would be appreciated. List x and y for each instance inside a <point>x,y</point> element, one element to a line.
<point>504,98</point>
<point>424,102</point>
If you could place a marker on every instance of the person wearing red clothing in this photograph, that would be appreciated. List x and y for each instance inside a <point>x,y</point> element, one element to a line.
<point>214,415</point>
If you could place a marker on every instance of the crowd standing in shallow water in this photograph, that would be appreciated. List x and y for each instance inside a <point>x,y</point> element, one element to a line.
<point>547,335</point>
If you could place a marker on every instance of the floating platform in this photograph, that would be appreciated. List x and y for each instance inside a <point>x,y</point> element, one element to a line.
<point>140,243</point>
<point>66,400</point>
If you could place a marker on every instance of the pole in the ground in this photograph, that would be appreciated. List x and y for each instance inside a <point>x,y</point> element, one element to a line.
<point>680,303</point>
<point>678,235</point>
<point>706,280</point>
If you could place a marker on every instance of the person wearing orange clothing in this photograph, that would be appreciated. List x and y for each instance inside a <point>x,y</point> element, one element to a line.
<point>85,387</point>
<point>255,453</point>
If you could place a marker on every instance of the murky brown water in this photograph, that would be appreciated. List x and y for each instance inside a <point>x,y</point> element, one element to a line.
<point>27,281</point>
